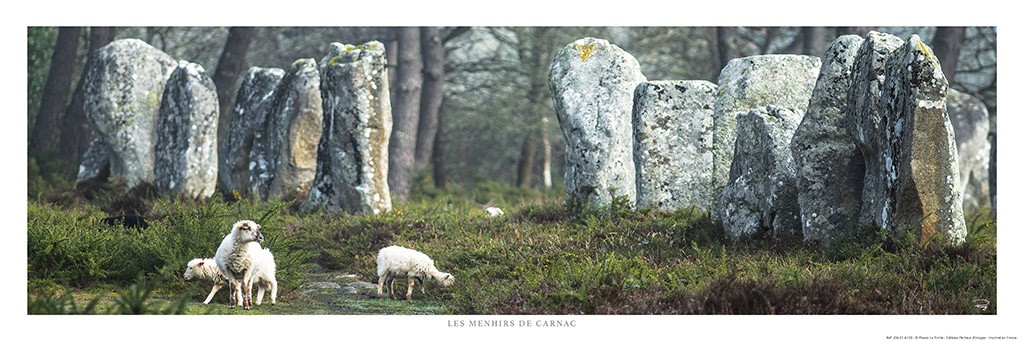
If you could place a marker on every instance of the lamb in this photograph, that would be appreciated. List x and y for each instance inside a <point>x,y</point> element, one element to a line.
<point>206,269</point>
<point>241,259</point>
<point>399,262</point>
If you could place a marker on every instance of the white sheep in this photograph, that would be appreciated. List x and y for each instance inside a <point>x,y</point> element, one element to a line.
<point>206,269</point>
<point>241,259</point>
<point>399,262</point>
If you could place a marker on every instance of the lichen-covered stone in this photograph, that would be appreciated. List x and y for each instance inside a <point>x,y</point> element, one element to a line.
<point>755,82</point>
<point>593,82</point>
<point>252,102</point>
<point>865,116</point>
<point>94,161</point>
<point>123,87</point>
<point>920,157</point>
<point>283,157</point>
<point>971,126</point>
<point>830,171</point>
<point>352,168</point>
<point>672,132</point>
<point>760,199</point>
<point>186,137</point>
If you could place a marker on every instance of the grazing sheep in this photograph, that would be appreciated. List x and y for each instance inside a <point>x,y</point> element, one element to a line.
<point>265,278</point>
<point>399,262</point>
<point>206,269</point>
<point>240,258</point>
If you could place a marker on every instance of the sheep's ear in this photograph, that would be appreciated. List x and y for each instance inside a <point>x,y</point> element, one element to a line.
<point>200,264</point>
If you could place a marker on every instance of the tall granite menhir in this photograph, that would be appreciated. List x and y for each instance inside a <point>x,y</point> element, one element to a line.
<point>248,116</point>
<point>864,123</point>
<point>283,157</point>
<point>593,82</point>
<point>123,88</point>
<point>352,166</point>
<point>186,139</point>
<point>672,132</point>
<point>830,171</point>
<point>755,82</point>
<point>922,179</point>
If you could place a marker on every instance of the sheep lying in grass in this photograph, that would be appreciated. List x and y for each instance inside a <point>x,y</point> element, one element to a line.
<point>206,269</point>
<point>241,259</point>
<point>399,262</point>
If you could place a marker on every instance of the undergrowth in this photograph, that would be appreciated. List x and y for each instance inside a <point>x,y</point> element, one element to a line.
<point>541,257</point>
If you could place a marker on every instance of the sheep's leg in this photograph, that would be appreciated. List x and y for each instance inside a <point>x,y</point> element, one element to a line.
<point>259,294</point>
<point>391,287</point>
<point>216,286</point>
<point>247,290</point>
<point>423,288</point>
<point>380,285</point>
<point>235,294</point>
<point>273,291</point>
<point>408,293</point>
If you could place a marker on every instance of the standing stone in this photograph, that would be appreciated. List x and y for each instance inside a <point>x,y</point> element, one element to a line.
<point>920,157</point>
<point>123,88</point>
<point>283,158</point>
<point>248,116</point>
<point>866,112</point>
<point>760,199</point>
<point>352,168</point>
<point>593,83</point>
<point>971,126</point>
<point>755,82</point>
<point>95,161</point>
<point>672,131</point>
<point>830,171</point>
<point>186,138</point>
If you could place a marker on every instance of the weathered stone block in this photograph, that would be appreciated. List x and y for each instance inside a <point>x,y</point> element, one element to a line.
<point>352,167</point>
<point>971,126</point>
<point>593,83</point>
<point>123,88</point>
<point>755,82</point>
<point>283,158</point>
<point>252,103</point>
<point>830,171</point>
<point>672,131</point>
<point>186,139</point>
<point>760,199</point>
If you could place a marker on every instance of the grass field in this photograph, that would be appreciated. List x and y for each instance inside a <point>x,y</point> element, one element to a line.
<point>539,258</point>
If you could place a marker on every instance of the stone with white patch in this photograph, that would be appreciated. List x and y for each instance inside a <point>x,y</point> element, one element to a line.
<point>186,139</point>
<point>252,103</point>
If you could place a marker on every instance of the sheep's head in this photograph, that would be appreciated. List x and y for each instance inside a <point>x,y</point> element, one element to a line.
<point>446,279</point>
<point>247,231</point>
<point>190,272</point>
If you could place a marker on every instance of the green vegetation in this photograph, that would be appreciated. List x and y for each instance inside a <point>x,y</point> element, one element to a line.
<point>540,258</point>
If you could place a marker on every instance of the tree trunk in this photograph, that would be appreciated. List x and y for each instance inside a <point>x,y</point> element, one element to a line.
<point>230,66</point>
<point>440,172</point>
<point>402,147</point>
<point>722,49</point>
<point>76,134</point>
<point>46,132</point>
<point>812,41</point>
<point>546,144</point>
<point>946,46</point>
<point>433,93</point>
<point>526,161</point>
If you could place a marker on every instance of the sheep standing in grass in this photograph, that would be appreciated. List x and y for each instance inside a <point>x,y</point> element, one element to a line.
<point>399,262</point>
<point>265,279</point>
<point>241,259</point>
<point>206,269</point>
